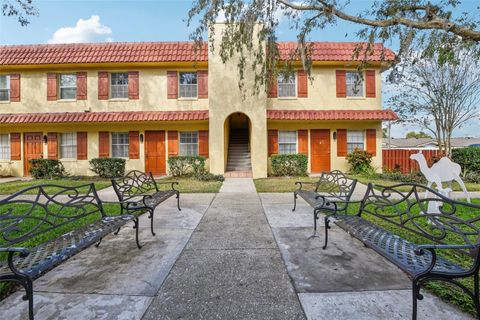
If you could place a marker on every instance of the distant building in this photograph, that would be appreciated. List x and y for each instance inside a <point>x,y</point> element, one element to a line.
<point>428,143</point>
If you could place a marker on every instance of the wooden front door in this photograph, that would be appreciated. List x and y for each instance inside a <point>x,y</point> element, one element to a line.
<point>32,149</point>
<point>155,152</point>
<point>320,150</point>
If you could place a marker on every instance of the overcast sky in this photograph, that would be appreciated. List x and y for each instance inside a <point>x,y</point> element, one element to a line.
<point>155,20</point>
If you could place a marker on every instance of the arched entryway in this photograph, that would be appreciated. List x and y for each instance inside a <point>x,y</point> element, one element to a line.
<point>238,130</point>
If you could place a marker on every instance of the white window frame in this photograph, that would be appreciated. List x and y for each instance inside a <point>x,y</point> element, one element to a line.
<point>349,142</point>
<point>7,89</point>
<point>361,85</point>
<point>72,143</point>
<point>111,85</point>
<point>60,87</point>
<point>180,85</point>
<point>181,150</point>
<point>280,142</point>
<point>120,144</point>
<point>4,149</point>
<point>279,85</point>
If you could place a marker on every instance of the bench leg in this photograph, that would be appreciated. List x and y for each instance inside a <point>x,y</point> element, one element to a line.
<point>294,201</point>
<point>151,222</point>
<point>98,243</point>
<point>27,284</point>
<point>178,201</point>
<point>116,232</point>
<point>29,290</point>
<point>415,293</point>
<point>315,218</point>
<point>327,226</point>
<point>135,226</point>
<point>476,294</point>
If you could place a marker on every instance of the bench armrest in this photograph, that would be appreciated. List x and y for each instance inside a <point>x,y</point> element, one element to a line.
<point>335,203</point>
<point>301,183</point>
<point>22,251</point>
<point>173,183</point>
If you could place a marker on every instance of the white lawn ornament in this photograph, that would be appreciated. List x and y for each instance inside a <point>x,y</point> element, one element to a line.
<point>443,171</point>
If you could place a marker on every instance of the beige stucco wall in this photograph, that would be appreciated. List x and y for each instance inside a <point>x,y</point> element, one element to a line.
<point>338,163</point>
<point>225,99</point>
<point>152,94</point>
<point>322,94</point>
<point>81,167</point>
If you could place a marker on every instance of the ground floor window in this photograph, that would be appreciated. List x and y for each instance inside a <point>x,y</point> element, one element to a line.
<point>120,144</point>
<point>287,142</point>
<point>355,139</point>
<point>4,147</point>
<point>189,143</point>
<point>68,145</point>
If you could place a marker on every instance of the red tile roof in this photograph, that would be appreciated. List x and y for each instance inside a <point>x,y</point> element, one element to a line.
<point>131,52</point>
<point>331,115</point>
<point>68,117</point>
<point>338,51</point>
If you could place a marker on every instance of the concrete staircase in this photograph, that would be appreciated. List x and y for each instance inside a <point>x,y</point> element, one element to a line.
<point>239,163</point>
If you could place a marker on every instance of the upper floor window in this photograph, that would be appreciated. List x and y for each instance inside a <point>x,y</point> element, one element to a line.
<point>4,147</point>
<point>287,142</point>
<point>188,85</point>
<point>119,85</point>
<point>68,86</point>
<point>354,84</point>
<point>4,88</point>
<point>120,144</point>
<point>68,145</point>
<point>287,86</point>
<point>355,139</point>
<point>189,143</point>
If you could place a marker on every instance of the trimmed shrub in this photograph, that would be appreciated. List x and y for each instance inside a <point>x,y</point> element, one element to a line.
<point>108,167</point>
<point>360,161</point>
<point>46,169</point>
<point>467,158</point>
<point>207,176</point>
<point>184,166</point>
<point>289,165</point>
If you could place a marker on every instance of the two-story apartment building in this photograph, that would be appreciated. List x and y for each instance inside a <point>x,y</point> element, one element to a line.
<point>146,102</point>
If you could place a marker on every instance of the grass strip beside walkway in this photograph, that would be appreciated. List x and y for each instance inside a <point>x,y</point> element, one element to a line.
<point>15,186</point>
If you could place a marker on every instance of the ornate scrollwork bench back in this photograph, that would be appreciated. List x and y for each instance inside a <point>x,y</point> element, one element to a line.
<point>134,184</point>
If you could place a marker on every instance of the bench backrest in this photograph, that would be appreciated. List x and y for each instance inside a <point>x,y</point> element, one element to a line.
<point>36,210</point>
<point>133,184</point>
<point>435,218</point>
<point>335,184</point>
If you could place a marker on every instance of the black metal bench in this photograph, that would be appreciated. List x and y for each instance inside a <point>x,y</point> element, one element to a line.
<point>138,192</point>
<point>31,214</point>
<point>445,229</point>
<point>331,186</point>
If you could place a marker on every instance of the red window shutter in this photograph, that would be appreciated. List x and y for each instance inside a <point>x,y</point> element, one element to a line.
<point>272,88</point>
<point>103,86</point>
<point>341,83</point>
<point>15,146</point>
<point>52,143</point>
<point>202,78</point>
<point>372,141</point>
<point>15,87</point>
<point>51,86</point>
<point>133,83</point>
<point>103,144</point>
<point>341,142</point>
<point>302,141</point>
<point>133,144</point>
<point>272,142</point>
<point>203,143</point>
<point>370,84</point>
<point>302,85</point>
<point>172,143</point>
<point>172,85</point>
<point>81,86</point>
<point>82,146</point>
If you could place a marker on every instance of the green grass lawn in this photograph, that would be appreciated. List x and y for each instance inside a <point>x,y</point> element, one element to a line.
<point>447,292</point>
<point>191,185</point>
<point>281,184</point>
<point>386,182</point>
<point>14,186</point>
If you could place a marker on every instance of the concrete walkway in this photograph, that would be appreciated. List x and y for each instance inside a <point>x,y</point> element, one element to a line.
<point>231,267</point>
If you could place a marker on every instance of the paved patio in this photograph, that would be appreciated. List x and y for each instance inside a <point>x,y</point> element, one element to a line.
<point>233,255</point>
